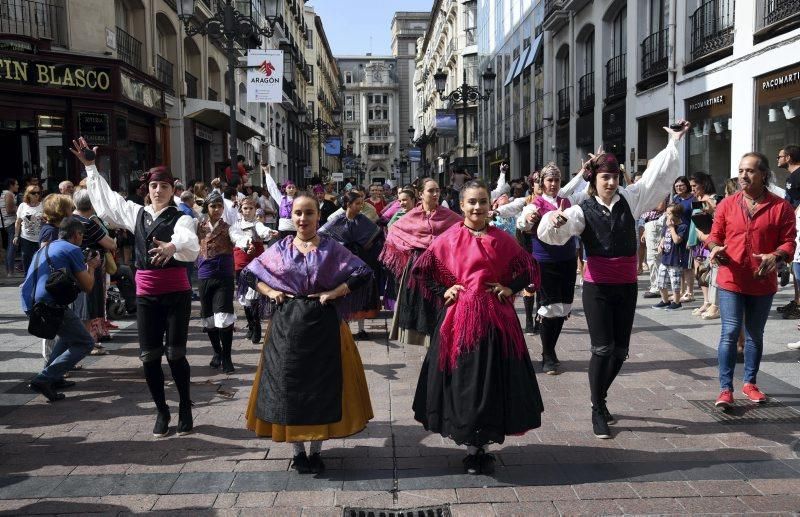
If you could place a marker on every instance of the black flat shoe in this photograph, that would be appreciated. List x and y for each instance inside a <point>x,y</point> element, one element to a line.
<point>472,464</point>
<point>599,425</point>
<point>47,389</point>
<point>215,361</point>
<point>63,384</point>
<point>249,334</point>
<point>362,335</point>
<point>227,365</point>
<point>300,464</point>
<point>550,367</point>
<point>161,429</point>
<point>610,420</point>
<point>185,421</point>
<point>316,464</point>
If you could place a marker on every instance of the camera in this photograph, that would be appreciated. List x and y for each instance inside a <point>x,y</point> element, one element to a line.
<point>89,254</point>
<point>88,153</point>
<point>677,126</point>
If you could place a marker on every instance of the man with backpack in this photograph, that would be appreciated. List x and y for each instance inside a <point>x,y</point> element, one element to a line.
<point>73,341</point>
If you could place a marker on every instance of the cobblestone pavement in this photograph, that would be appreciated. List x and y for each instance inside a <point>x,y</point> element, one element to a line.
<point>94,452</point>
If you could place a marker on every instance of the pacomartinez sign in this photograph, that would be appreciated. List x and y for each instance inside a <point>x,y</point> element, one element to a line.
<point>63,76</point>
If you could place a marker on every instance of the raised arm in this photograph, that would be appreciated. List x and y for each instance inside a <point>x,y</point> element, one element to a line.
<point>655,184</point>
<point>502,187</point>
<point>575,190</point>
<point>511,209</point>
<point>272,187</point>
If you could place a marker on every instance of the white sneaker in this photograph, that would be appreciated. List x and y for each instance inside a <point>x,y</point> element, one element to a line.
<point>793,346</point>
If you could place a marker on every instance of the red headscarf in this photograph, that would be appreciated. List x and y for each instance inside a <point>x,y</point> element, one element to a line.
<point>414,231</point>
<point>458,257</point>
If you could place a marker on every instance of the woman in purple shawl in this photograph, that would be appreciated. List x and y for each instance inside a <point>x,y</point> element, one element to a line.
<point>310,383</point>
<point>365,239</point>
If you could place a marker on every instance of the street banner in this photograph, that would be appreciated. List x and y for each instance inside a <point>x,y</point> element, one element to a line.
<point>337,176</point>
<point>415,154</point>
<point>264,75</point>
<point>333,146</point>
<point>307,172</point>
<point>446,123</point>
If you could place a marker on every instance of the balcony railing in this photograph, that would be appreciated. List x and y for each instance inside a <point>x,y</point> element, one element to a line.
<point>712,28</point>
<point>191,85</point>
<point>213,95</point>
<point>40,19</point>
<point>616,77</point>
<point>563,104</point>
<point>165,72</point>
<point>771,12</point>
<point>655,54</point>
<point>129,49</point>
<point>586,92</point>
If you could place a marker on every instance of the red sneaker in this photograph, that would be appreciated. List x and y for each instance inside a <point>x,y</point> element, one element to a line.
<point>752,392</point>
<point>725,399</point>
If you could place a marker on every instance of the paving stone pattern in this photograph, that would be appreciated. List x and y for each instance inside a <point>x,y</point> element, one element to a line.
<point>94,452</point>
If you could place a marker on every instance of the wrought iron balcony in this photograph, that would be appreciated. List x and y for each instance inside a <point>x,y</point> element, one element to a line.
<point>165,72</point>
<point>40,19</point>
<point>586,92</point>
<point>655,54</point>
<point>129,49</point>
<point>191,85</point>
<point>774,12</point>
<point>616,77</point>
<point>563,104</point>
<point>712,28</point>
<point>555,17</point>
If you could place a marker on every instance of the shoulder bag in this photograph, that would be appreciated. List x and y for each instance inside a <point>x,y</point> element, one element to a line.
<point>61,284</point>
<point>44,319</point>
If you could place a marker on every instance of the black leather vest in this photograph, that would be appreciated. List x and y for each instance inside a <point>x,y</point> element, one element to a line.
<point>608,234</point>
<point>161,229</point>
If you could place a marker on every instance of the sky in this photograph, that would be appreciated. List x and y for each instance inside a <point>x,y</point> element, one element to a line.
<point>355,27</point>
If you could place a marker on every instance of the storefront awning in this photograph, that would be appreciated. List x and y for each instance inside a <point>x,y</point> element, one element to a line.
<point>522,59</point>
<point>534,51</point>
<point>215,114</point>
<point>510,76</point>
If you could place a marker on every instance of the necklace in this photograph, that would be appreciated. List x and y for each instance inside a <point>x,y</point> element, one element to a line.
<point>306,243</point>
<point>753,200</point>
<point>475,231</point>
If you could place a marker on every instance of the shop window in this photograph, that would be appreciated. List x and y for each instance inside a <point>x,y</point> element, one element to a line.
<point>709,143</point>
<point>778,106</point>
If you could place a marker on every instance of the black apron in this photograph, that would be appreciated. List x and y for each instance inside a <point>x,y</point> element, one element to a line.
<point>301,378</point>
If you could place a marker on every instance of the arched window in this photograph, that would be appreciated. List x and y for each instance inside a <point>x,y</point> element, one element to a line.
<point>619,33</point>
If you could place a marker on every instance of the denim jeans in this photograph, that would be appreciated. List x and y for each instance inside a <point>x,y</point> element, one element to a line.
<point>736,309</point>
<point>73,343</point>
<point>11,250</point>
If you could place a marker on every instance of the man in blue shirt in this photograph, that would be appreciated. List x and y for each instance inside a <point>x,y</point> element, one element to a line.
<point>73,342</point>
<point>186,204</point>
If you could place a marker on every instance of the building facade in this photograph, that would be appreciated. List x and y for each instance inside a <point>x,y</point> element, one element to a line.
<point>449,45</point>
<point>613,73</point>
<point>407,28</point>
<point>371,117</point>
<point>322,97</point>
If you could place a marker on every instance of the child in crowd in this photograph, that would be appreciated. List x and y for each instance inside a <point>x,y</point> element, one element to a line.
<point>674,258</point>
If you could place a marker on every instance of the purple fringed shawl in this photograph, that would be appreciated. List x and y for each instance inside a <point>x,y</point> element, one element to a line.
<point>284,268</point>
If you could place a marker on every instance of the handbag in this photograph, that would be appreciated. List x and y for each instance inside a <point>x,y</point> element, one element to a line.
<point>61,285</point>
<point>44,319</point>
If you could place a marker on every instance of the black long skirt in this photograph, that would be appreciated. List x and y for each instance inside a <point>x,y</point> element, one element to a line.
<point>414,311</point>
<point>301,379</point>
<point>488,395</point>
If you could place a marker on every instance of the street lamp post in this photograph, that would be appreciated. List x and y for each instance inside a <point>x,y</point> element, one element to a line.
<point>321,127</point>
<point>465,94</point>
<point>228,25</point>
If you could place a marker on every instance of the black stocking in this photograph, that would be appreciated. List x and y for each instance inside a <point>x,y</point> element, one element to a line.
<point>181,374</point>
<point>529,302</point>
<point>155,382</point>
<point>597,384</point>
<point>613,367</point>
<point>213,336</point>
<point>551,330</point>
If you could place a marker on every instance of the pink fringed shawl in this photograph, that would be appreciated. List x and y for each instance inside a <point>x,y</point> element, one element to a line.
<point>415,230</point>
<point>458,257</point>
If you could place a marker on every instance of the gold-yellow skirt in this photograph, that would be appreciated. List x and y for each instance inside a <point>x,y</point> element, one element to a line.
<point>356,405</point>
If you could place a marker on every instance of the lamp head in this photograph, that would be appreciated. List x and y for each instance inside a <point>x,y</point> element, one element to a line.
<point>488,79</point>
<point>185,10</point>
<point>440,78</point>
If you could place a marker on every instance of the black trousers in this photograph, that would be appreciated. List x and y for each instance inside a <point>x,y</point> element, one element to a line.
<point>216,296</point>
<point>163,325</point>
<point>609,310</point>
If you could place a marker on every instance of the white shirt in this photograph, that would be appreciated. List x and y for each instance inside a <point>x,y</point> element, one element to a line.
<point>114,209</point>
<point>31,217</point>
<point>642,196</point>
<point>576,184</point>
<point>284,225</point>
<point>231,214</point>
<point>241,233</point>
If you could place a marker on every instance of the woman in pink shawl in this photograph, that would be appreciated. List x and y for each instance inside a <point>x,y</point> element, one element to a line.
<point>477,384</point>
<point>413,320</point>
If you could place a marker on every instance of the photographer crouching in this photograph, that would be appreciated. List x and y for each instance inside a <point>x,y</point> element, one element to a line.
<point>57,273</point>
